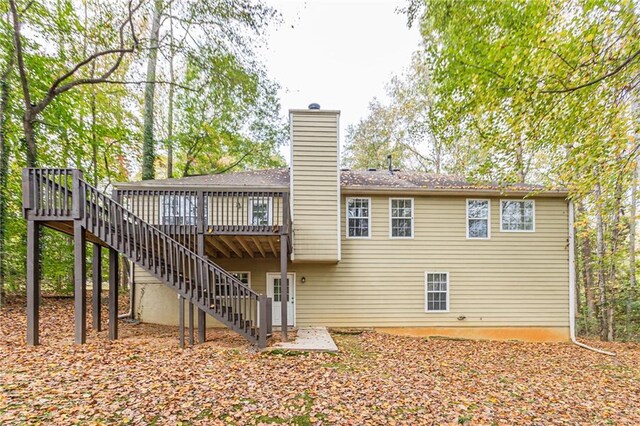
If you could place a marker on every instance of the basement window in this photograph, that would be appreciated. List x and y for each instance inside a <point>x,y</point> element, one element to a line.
<point>401,217</point>
<point>178,209</point>
<point>243,277</point>
<point>437,292</point>
<point>358,217</point>
<point>478,214</point>
<point>517,215</point>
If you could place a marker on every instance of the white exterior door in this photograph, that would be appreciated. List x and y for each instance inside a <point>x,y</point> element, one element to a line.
<point>274,292</point>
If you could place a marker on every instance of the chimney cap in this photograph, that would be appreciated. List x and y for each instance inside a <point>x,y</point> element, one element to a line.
<point>314,106</point>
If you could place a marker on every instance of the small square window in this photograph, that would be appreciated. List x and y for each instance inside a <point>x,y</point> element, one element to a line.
<point>517,215</point>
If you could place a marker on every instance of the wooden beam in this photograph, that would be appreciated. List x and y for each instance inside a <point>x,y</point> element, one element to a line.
<point>192,340</point>
<point>245,245</point>
<point>202,326</point>
<point>96,277</point>
<point>284,288</point>
<point>113,294</point>
<point>273,247</point>
<point>229,242</point>
<point>80,282</point>
<point>256,241</point>
<point>220,247</point>
<point>33,283</point>
<point>181,319</point>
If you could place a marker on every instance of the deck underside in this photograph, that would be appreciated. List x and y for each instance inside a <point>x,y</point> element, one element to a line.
<point>216,246</point>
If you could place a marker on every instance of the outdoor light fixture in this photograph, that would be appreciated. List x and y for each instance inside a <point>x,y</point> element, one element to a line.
<point>303,280</point>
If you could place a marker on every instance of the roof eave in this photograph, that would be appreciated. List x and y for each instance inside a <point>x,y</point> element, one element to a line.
<point>199,186</point>
<point>356,189</point>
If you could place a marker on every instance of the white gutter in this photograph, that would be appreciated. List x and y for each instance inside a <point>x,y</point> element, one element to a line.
<point>572,286</point>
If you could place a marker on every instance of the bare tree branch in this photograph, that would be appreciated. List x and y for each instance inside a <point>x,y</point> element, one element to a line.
<point>57,88</point>
<point>613,72</point>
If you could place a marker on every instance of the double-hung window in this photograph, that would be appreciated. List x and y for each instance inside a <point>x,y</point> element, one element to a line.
<point>260,211</point>
<point>437,291</point>
<point>478,219</point>
<point>517,216</point>
<point>358,217</point>
<point>178,209</point>
<point>401,217</point>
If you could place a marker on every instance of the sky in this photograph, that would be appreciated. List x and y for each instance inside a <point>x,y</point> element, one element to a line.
<point>339,54</point>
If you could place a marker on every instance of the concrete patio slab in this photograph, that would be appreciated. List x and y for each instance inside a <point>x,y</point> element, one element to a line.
<point>311,339</point>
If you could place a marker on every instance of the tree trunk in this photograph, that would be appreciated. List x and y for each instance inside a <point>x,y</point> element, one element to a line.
<point>172,80</point>
<point>615,236</point>
<point>632,248</point>
<point>148,142</point>
<point>600,252</point>
<point>4,171</point>
<point>587,274</point>
<point>94,138</point>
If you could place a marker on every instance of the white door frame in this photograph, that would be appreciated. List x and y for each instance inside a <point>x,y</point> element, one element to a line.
<point>292,296</point>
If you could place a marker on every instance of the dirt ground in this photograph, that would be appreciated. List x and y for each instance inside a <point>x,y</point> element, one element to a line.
<point>145,378</point>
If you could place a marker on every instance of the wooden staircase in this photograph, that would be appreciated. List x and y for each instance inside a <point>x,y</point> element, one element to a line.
<point>63,200</point>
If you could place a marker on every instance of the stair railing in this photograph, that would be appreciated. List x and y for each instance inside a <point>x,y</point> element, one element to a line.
<point>47,195</point>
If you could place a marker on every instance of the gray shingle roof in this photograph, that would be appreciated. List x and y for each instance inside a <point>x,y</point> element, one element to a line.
<point>380,180</point>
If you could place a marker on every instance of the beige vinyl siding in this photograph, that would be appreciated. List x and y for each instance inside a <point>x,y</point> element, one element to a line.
<point>513,279</point>
<point>315,185</point>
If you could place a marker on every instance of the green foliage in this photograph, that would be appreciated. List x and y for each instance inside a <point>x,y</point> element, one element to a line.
<point>224,98</point>
<point>514,91</point>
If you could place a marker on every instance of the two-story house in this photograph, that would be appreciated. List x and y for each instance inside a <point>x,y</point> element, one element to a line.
<point>404,251</point>
<point>399,251</point>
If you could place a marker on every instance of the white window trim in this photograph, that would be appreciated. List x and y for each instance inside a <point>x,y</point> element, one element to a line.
<point>426,292</point>
<point>346,208</point>
<point>413,208</point>
<point>466,206</point>
<point>269,210</point>
<point>533,229</point>
<point>243,272</point>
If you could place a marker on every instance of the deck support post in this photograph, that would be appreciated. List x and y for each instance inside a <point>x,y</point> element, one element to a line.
<point>97,287</point>
<point>80,282</point>
<point>191,326</point>
<point>181,319</point>
<point>202,316</point>
<point>33,283</point>
<point>113,293</point>
<point>202,326</point>
<point>284,288</point>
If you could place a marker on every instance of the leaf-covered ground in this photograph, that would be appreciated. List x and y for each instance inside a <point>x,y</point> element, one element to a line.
<point>144,378</point>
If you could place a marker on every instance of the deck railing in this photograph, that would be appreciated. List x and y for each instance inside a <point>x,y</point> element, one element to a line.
<point>187,212</point>
<point>61,194</point>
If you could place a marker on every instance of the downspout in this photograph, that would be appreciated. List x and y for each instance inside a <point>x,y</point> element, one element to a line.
<point>572,286</point>
<point>131,292</point>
